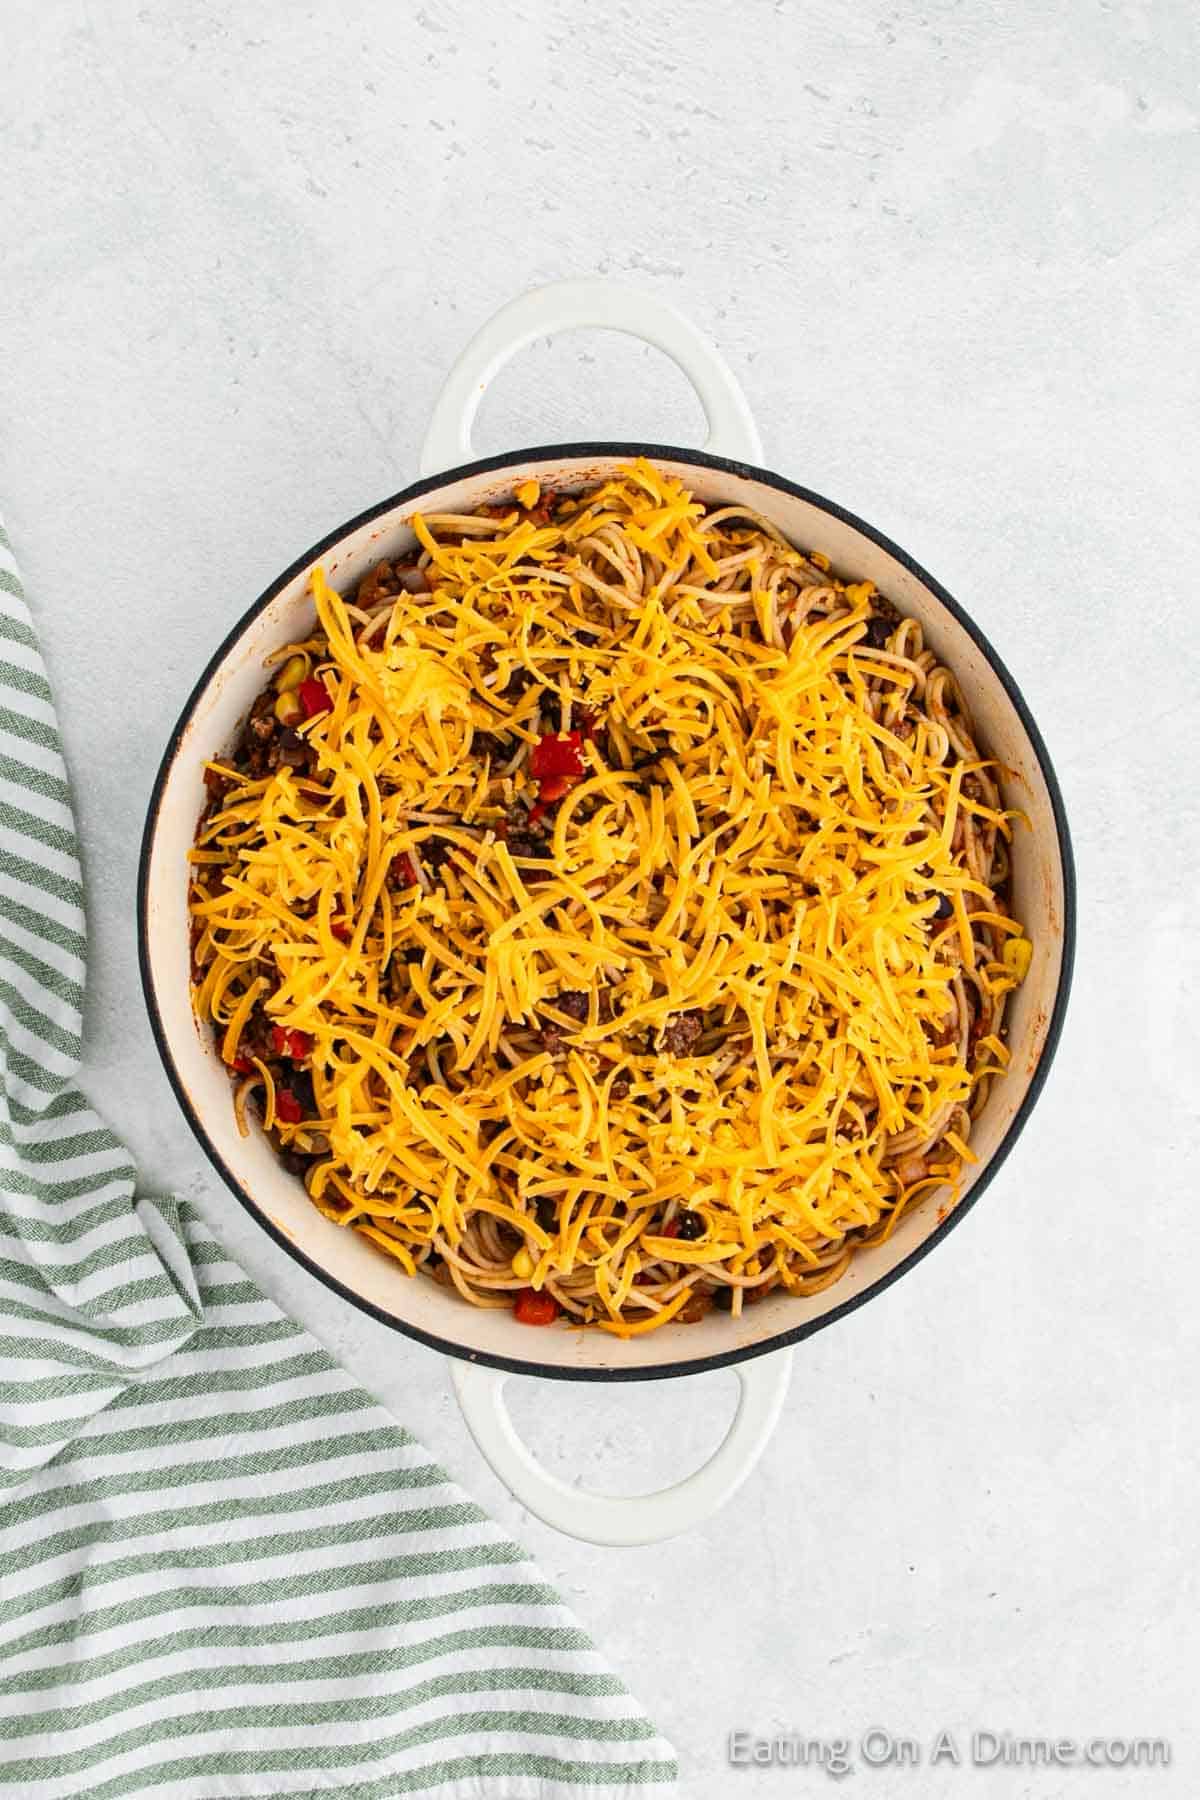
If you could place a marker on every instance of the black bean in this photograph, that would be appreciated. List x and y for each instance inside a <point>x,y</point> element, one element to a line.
<point>293,750</point>
<point>944,908</point>
<point>691,1226</point>
<point>533,849</point>
<point>644,759</point>
<point>546,1213</point>
<point>878,632</point>
<point>573,1002</point>
<point>518,683</point>
<point>301,1084</point>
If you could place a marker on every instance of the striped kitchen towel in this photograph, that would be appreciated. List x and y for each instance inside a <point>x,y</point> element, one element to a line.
<point>224,1570</point>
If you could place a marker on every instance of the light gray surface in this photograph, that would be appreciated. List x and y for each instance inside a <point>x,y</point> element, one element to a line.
<point>950,251</point>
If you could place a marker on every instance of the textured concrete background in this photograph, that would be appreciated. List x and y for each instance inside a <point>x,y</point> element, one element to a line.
<point>950,250</point>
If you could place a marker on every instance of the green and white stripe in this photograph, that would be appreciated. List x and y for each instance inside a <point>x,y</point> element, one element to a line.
<point>225,1570</point>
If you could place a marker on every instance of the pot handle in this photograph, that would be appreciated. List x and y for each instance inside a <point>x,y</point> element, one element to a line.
<point>571,306</point>
<point>640,1518</point>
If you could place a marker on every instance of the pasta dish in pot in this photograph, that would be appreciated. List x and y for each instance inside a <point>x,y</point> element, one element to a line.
<point>605,909</point>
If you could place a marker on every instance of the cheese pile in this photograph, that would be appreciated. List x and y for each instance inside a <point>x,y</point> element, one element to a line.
<point>776,869</point>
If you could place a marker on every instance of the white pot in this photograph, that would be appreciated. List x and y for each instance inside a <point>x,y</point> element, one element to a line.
<point>492,1342</point>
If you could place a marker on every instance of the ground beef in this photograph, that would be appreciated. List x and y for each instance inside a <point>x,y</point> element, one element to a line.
<point>546,508</point>
<point>253,751</point>
<point>256,1035</point>
<point>573,1003</point>
<point>682,1034</point>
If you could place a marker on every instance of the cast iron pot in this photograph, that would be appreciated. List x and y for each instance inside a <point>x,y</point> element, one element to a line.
<point>487,1346</point>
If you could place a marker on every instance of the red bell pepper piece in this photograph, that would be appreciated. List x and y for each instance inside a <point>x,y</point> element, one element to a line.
<point>340,928</point>
<point>404,870</point>
<point>287,1108</point>
<point>314,697</point>
<point>553,787</point>
<point>557,756</point>
<point>556,765</point>
<point>533,1308</point>
<point>296,1044</point>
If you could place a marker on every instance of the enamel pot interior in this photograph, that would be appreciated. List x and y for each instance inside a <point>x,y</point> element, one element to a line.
<point>347,1263</point>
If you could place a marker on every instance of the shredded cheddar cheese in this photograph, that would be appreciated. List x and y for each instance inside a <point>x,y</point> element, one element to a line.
<point>644,761</point>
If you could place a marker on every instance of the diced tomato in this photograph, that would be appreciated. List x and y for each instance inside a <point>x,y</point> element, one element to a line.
<point>287,1107</point>
<point>241,1065</point>
<point>557,756</point>
<point>402,867</point>
<point>588,721</point>
<point>532,1308</point>
<point>340,928</point>
<point>296,1044</point>
<point>314,697</point>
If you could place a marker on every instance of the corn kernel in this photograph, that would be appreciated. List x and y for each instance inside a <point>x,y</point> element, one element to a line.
<point>1018,954</point>
<point>529,493</point>
<point>288,709</point>
<point>522,1264</point>
<point>293,672</point>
